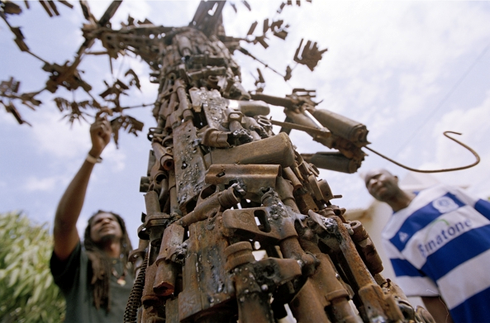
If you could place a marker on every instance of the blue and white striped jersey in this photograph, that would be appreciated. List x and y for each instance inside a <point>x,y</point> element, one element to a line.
<point>440,245</point>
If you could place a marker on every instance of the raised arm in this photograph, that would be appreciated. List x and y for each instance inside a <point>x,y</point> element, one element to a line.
<point>71,203</point>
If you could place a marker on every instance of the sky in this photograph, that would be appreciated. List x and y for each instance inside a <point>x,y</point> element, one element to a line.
<point>408,70</point>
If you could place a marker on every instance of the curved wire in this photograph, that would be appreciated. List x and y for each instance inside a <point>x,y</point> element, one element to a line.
<point>436,170</point>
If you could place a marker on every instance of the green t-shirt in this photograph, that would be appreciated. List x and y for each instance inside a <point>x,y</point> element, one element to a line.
<point>72,278</point>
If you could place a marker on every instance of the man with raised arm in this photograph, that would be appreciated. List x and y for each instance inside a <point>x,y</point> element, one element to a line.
<point>94,276</point>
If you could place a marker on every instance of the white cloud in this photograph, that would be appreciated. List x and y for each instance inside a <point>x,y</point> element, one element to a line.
<point>473,125</point>
<point>68,145</point>
<point>55,137</point>
<point>378,125</point>
<point>7,119</point>
<point>373,40</point>
<point>32,183</point>
<point>116,157</point>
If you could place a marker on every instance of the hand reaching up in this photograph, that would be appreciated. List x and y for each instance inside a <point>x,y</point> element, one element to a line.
<point>100,133</point>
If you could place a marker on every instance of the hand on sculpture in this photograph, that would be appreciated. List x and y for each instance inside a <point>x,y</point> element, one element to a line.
<point>100,133</point>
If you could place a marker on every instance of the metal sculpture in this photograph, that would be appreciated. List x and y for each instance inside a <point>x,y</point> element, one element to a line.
<point>237,226</point>
<point>221,188</point>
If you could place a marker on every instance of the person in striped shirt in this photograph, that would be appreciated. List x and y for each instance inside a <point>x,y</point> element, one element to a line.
<point>438,241</point>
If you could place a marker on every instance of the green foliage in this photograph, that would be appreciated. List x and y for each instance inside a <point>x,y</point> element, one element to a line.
<point>27,291</point>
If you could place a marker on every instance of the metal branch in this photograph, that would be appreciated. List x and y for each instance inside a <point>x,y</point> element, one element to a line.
<point>436,170</point>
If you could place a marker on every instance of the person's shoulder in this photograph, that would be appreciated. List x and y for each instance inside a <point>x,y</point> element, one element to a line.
<point>74,254</point>
<point>430,193</point>
<point>395,222</point>
<point>454,192</point>
<point>436,187</point>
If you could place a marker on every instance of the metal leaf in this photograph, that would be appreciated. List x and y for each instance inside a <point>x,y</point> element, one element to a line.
<point>10,107</point>
<point>10,86</point>
<point>11,8</point>
<point>135,80</point>
<point>247,5</point>
<point>310,56</point>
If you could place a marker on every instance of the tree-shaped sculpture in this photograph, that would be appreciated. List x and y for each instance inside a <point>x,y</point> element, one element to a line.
<point>237,226</point>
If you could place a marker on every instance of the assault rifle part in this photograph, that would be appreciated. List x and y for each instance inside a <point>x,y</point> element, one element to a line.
<point>238,227</point>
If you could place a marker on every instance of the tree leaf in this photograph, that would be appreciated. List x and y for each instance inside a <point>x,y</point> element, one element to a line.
<point>27,290</point>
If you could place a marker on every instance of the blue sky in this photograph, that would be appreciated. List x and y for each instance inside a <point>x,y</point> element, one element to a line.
<point>408,70</point>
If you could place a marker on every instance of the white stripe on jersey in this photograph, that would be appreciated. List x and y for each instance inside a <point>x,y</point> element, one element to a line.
<point>417,286</point>
<point>472,277</point>
<point>465,198</point>
<point>421,200</point>
<point>441,231</point>
<point>391,251</point>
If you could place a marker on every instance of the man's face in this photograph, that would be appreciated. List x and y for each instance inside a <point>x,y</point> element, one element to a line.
<point>104,226</point>
<point>381,184</point>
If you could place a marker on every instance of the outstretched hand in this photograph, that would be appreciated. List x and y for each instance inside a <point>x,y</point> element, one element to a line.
<point>100,133</point>
<point>65,231</point>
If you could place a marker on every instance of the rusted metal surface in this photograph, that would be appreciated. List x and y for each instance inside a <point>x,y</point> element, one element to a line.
<point>238,223</point>
<point>238,227</point>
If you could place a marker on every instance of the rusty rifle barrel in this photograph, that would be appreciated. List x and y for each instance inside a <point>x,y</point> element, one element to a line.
<point>342,126</point>
<point>226,199</point>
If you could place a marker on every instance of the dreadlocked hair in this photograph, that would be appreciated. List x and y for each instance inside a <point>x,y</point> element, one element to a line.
<point>101,264</point>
